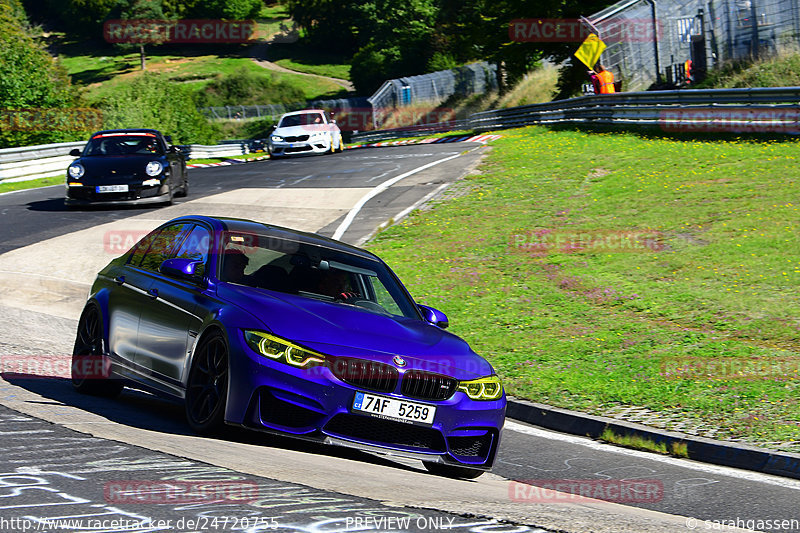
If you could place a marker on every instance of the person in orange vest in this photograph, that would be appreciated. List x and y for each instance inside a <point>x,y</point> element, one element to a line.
<point>606,80</point>
<point>687,70</point>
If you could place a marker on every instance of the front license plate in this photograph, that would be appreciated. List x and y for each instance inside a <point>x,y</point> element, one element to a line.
<point>112,188</point>
<point>381,406</point>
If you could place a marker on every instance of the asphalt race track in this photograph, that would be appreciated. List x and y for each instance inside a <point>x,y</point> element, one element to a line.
<point>67,455</point>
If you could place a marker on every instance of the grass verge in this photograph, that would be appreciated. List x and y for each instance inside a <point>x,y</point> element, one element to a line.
<point>32,184</point>
<point>677,449</point>
<point>603,270</point>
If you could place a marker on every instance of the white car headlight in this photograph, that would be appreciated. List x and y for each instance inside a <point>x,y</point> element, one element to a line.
<point>277,138</point>
<point>153,168</point>
<point>76,171</point>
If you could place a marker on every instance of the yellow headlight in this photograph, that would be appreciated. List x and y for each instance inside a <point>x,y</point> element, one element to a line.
<point>488,388</point>
<point>282,350</point>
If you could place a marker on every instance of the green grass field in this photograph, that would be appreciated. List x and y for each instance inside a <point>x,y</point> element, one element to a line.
<point>101,73</point>
<point>301,58</point>
<point>695,317</point>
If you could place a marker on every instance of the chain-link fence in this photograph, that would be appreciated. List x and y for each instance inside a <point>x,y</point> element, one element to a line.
<point>358,114</point>
<point>274,111</point>
<point>433,88</point>
<point>649,41</point>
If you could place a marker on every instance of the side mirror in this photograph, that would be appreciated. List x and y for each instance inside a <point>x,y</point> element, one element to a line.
<point>168,138</point>
<point>434,316</point>
<point>181,267</point>
<point>75,152</point>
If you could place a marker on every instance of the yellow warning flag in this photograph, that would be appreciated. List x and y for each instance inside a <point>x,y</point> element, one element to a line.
<point>590,50</point>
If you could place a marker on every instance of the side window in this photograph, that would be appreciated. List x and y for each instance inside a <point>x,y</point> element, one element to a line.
<point>164,245</point>
<point>195,247</point>
<point>141,248</point>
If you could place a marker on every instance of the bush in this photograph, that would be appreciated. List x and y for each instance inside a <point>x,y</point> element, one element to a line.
<point>31,84</point>
<point>152,101</point>
<point>245,87</point>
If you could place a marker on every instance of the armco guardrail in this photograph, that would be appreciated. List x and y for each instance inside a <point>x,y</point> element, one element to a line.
<point>409,131</point>
<point>199,151</point>
<point>48,160</point>
<point>772,109</point>
<point>34,162</point>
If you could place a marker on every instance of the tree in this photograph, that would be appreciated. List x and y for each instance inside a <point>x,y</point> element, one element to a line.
<point>31,82</point>
<point>227,9</point>
<point>398,35</point>
<point>153,102</point>
<point>143,10</point>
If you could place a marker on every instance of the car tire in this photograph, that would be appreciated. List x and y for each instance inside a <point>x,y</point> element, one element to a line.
<point>90,347</point>
<point>207,386</point>
<point>451,470</point>
<point>170,195</point>
<point>184,192</point>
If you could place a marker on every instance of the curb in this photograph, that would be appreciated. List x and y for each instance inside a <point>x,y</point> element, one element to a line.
<point>430,140</point>
<point>702,449</point>
<point>227,162</point>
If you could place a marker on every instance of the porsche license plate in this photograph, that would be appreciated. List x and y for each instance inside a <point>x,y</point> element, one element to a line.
<point>416,413</point>
<point>112,188</point>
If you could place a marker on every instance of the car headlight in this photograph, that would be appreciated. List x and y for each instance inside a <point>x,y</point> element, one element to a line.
<point>75,171</point>
<point>488,388</point>
<point>153,168</point>
<point>281,350</point>
<point>318,134</point>
<point>277,138</point>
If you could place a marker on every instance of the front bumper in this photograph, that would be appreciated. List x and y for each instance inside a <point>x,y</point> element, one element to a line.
<point>86,195</point>
<point>315,404</point>
<point>319,145</point>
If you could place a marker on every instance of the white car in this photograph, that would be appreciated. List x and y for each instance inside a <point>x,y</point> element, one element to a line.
<point>311,131</point>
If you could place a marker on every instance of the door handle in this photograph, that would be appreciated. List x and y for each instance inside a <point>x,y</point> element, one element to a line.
<point>153,293</point>
<point>119,280</point>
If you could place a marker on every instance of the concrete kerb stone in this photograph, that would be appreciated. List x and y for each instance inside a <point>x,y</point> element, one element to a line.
<point>699,448</point>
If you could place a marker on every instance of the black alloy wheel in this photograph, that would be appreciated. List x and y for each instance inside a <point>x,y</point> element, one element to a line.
<point>207,388</point>
<point>88,369</point>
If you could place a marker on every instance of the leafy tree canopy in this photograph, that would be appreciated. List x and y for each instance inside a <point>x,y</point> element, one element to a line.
<point>152,102</point>
<point>30,79</point>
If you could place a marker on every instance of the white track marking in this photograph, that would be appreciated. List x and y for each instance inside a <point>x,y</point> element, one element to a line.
<point>379,189</point>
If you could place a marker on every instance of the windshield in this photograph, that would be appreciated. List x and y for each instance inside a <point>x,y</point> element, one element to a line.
<point>303,119</point>
<point>313,272</point>
<point>122,144</point>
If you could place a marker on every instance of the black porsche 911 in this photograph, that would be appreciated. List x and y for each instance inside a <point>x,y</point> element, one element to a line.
<point>126,167</point>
